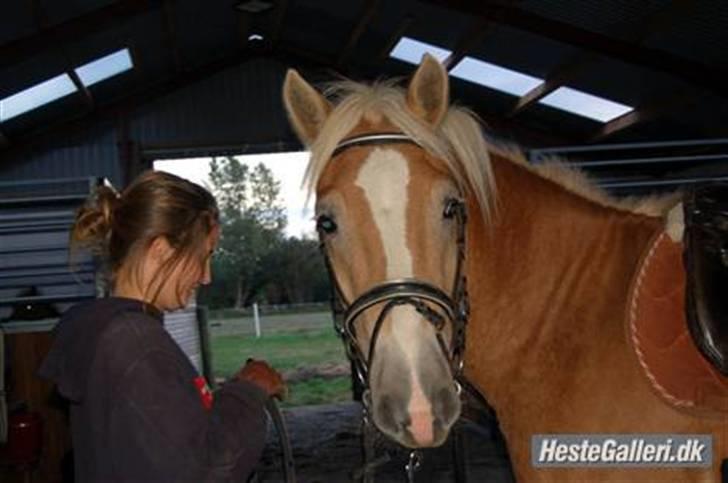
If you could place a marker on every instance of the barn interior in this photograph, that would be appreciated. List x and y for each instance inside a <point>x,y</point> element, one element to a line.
<point>94,91</point>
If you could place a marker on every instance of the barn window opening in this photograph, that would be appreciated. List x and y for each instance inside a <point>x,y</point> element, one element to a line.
<point>61,86</point>
<point>584,104</point>
<point>411,51</point>
<point>270,294</point>
<point>495,76</point>
<point>36,96</point>
<point>512,82</point>
<point>105,67</point>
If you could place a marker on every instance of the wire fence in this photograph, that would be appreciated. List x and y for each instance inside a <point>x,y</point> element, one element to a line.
<point>288,319</point>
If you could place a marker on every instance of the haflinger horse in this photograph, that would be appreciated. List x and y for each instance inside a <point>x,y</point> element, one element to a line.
<point>566,331</point>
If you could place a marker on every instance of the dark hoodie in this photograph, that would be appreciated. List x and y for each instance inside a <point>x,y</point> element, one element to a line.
<point>138,411</point>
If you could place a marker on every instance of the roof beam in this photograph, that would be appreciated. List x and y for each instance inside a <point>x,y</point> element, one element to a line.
<point>83,91</point>
<point>365,19</point>
<point>280,15</point>
<point>170,35</point>
<point>646,112</point>
<point>466,42</point>
<point>693,72</point>
<point>41,21</point>
<point>244,29</point>
<point>566,71</point>
<point>557,78</point>
<point>394,38</point>
<point>76,28</point>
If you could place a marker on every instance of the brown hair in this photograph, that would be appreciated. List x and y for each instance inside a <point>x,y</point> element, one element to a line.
<point>120,227</point>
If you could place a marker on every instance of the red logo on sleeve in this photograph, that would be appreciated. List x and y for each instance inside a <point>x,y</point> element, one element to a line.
<point>204,390</point>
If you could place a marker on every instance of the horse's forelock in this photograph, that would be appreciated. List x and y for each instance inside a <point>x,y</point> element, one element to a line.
<point>458,141</point>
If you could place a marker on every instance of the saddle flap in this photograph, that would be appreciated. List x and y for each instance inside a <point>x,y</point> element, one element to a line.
<point>660,335</point>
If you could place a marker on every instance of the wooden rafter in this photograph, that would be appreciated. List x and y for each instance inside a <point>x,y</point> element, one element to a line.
<point>569,69</point>
<point>466,42</point>
<point>73,29</point>
<point>696,73</point>
<point>365,19</point>
<point>41,22</point>
<point>83,91</point>
<point>170,34</point>
<point>648,111</point>
<point>394,38</point>
<point>244,29</point>
<point>557,78</point>
<point>280,15</point>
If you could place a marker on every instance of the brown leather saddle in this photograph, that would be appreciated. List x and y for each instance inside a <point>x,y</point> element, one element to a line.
<point>677,319</point>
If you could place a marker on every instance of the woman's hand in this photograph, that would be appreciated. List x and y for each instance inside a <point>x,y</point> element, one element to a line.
<point>263,376</point>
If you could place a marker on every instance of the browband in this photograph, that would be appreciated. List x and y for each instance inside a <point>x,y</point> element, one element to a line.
<point>364,140</point>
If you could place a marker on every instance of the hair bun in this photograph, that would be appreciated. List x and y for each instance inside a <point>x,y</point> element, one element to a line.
<point>94,220</point>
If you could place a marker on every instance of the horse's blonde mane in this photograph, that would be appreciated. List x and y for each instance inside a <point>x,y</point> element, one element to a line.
<point>580,183</point>
<point>458,141</point>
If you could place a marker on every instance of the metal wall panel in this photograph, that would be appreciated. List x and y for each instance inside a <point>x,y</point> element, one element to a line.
<point>91,155</point>
<point>34,254</point>
<point>182,325</point>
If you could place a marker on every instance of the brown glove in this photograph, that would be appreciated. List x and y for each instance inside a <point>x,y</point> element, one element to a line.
<point>263,376</point>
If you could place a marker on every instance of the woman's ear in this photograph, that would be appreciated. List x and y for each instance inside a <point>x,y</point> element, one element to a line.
<point>159,251</point>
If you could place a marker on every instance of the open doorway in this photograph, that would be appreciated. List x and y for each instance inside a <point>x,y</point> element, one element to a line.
<point>269,298</point>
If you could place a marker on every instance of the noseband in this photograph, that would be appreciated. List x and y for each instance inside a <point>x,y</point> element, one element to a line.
<point>432,303</point>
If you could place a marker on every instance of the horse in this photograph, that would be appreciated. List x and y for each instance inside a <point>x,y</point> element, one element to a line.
<point>424,223</point>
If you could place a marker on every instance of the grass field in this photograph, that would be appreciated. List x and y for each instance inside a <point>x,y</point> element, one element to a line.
<point>303,347</point>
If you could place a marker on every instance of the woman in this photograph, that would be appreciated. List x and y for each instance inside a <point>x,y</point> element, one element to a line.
<point>139,410</point>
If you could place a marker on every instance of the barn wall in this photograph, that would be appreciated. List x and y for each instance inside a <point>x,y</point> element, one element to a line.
<point>236,110</point>
<point>239,109</point>
<point>93,153</point>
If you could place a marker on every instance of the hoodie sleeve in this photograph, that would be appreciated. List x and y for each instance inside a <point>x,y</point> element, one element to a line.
<point>161,429</point>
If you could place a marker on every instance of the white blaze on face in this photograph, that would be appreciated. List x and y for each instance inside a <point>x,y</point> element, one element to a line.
<point>384,178</point>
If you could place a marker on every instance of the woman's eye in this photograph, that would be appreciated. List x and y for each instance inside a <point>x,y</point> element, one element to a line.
<point>325,224</point>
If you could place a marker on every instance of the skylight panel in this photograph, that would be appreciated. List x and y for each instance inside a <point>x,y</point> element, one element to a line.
<point>36,96</point>
<point>411,50</point>
<point>586,105</point>
<point>105,67</point>
<point>495,76</point>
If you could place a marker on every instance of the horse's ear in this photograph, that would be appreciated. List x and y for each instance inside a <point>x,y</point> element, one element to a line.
<point>307,109</point>
<point>428,91</point>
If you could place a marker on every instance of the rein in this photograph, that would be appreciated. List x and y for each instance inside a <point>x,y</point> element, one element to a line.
<point>432,303</point>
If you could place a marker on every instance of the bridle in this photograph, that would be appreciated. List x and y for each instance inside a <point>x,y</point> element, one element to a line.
<point>432,303</point>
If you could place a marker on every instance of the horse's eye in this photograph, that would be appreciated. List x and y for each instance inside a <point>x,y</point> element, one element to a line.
<point>452,206</point>
<point>325,224</point>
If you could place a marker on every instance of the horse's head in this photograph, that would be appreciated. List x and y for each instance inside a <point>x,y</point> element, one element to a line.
<point>390,213</point>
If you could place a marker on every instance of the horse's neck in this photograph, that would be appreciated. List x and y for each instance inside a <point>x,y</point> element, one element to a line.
<point>548,274</point>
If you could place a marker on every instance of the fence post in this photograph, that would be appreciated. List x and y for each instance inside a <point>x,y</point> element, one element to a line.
<point>256,318</point>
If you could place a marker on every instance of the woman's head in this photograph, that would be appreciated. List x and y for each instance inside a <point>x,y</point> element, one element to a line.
<point>156,236</point>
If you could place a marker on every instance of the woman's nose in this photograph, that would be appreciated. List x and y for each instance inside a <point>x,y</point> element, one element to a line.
<point>206,275</point>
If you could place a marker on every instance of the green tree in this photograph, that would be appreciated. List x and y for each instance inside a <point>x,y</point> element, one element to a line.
<point>297,272</point>
<point>252,222</point>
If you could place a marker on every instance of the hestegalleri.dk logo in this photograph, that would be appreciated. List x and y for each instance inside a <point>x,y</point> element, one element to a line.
<point>621,450</point>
